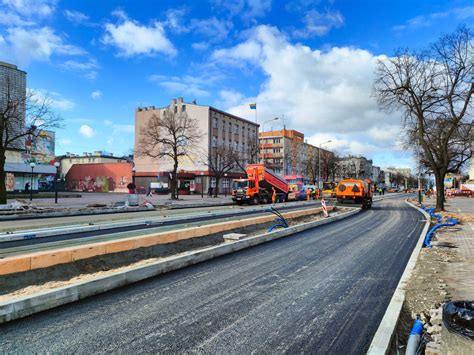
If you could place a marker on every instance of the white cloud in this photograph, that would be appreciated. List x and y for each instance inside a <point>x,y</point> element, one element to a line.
<point>87,68</point>
<point>320,93</point>
<point>12,19</point>
<point>247,9</point>
<point>96,95</point>
<point>131,38</point>
<point>184,85</point>
<point>216,30</point>
<point>319,23</point>
<point>33,8</point>
<point>86,131</point>
<point>53,99</point>
<point>76,17</point>
<point>200,46</point>
<point>108,122</point>
<point>459,13</point>
<point>229,98</point>
<point>24,45</point>
<point>175,20</point>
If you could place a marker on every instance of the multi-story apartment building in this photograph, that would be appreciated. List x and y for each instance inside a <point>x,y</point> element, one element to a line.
<point>23,151</point>
<point>13,92</point>
<point>219,131</point>
<point>286,152</point>
<point>354,167</point>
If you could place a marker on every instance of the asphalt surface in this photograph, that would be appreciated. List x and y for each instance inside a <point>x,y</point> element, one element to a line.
<point>28,246</point>
<point>321,291</point>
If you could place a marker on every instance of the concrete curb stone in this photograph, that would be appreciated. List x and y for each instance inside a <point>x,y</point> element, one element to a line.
<point>41,301</point>
<point>383,337</point>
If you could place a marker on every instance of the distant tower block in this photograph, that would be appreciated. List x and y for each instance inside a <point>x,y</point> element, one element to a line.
<point>471,163</point>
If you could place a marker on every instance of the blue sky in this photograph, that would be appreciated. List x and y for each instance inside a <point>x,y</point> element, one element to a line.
<point>309,62</point>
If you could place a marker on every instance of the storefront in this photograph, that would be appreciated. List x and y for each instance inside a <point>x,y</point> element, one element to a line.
<point>19,176</point>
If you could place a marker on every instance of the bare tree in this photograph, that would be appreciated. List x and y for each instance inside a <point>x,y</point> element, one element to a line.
<point>433,88</point>
<point>248,156</point>
<point>220,161</point>
<point>169,135</point>
<point>21,116</point>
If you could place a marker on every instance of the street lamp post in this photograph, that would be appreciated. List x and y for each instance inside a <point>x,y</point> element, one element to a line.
<point>56,165</point>
<point>319,163</point>
<point>32,165</point>
<point>226,182</point>
<point>202,184</point>
<point>263,130</point>
<point>133,175</point>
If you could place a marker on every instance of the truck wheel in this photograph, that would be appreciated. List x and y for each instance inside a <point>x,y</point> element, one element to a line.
<point>265,200</point>
<point>255,201</point>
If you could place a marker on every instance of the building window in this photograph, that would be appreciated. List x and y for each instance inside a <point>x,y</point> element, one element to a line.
<point>276,150</point>
<point>236,129</point>
<point>183,108</point>
<point>214,122</point>
<point>176,109</point>
<point>276,140</point>
<point>223,125</point>
<point>230,127</point>
<point>214,141</point>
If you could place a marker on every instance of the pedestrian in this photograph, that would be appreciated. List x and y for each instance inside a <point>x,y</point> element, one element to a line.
<point>274,195</point>
<point>308,194</point>
<point>149,191</point>
<point>318,192</point>
<point>383,190</point>
<point>209,191</point>
<point>27,187</point>
<point>131,188</point>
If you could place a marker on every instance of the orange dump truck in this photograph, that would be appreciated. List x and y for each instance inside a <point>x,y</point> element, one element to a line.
<point>258,186</point>
<point>355,191</point>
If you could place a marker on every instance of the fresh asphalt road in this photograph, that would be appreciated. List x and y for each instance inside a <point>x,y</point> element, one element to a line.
<point>321,291</point>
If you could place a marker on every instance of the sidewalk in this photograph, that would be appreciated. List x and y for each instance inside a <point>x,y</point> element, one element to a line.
<point>444,273</point>
<point>111,199</point>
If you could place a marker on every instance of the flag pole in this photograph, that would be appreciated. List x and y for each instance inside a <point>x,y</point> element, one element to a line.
<point>256,108</point>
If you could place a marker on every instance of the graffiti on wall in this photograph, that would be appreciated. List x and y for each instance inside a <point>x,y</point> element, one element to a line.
<point>99,184</point>
<point>40,147</point>
<point>10,181</point>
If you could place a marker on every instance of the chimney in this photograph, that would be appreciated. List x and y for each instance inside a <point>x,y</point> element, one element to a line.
<point>84,154</point>
<point>180,100</point>
<point>173,102</point>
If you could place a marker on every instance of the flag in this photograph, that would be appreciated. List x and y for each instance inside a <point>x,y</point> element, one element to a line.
<point>253,106</point>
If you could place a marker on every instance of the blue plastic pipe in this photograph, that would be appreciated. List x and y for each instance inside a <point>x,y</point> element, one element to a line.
<point>451,222</point>
<point>414,338</point>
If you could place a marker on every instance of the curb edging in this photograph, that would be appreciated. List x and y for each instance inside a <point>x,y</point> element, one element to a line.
<point>41,301</point>
<point>383,337</point>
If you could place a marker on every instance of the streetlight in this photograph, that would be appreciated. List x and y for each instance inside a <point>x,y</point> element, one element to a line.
<point>202,184</point>
<point>263,130</point>
<point>133,174</point>
<point>273,119</point>
<point>226,182</point>
<point>56,164</point>
<point>32,165</point>
<point>319,163</point>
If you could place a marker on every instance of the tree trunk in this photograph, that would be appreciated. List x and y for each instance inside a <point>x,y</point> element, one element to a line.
<point>216,189</point>
<point>174,181</point>
<point>3,187</point>
<point>439,178</point>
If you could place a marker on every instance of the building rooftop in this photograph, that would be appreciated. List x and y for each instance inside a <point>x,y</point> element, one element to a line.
<point>196,104</point>
<point>11,66</point>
